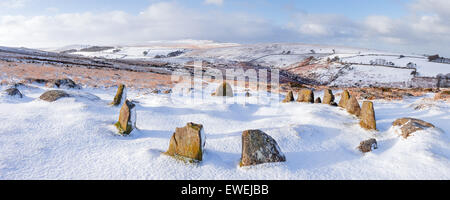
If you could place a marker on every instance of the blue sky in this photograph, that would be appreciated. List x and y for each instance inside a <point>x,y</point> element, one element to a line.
<point>276,10</point>
<point>401,25</point>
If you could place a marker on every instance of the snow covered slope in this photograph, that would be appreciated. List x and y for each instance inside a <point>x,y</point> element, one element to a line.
<point>73,138</point>
<point>392,69</point>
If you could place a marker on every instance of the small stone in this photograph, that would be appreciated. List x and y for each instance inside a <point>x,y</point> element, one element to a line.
<point>318,100</point>
<point>368,145</point>
<point>259,148</point>
<point>224,90</point>
<point>411,125</point>
<point>368,120</point>
<point>121,95</point>
<point>345,96</point>
<point>289,97</point>
<point>53,95</point>
<point>127,118</point>
<point>188,143</point>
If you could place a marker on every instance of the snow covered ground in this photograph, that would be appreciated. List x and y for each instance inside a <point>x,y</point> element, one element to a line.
<point>366,76</point>
<point>424,67</point>
<point>74,138</point>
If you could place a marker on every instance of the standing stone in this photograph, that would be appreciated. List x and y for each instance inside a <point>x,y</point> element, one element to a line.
<point>53,95</point>
<point>14,92</point>
<point>259,148</point>
<point>328,97</point>
<point>127,118</point>
<point>353,106</point>
<point>368,120</point>
<point>318,100</point>
<point>187,143</point>
<point>345,96</point>
<point>121,95</point>
<point>224,90</point>
<point>368,145</point>
<point>411,125</point>
<point>289,97</point>
<point>306,95</point>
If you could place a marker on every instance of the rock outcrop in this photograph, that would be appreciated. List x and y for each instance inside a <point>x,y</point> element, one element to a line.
<point>53,95</point>
<point>306,95</point>
<point>63,83</point>
<point>368,120</point>
<point>14,92</point>
<point>368,145</point>
<point>224,90</point>
<point>411,125</point>
<point>345,97</point>
<point>353,107</point>
<point>127,118</point>
<point>188,143</point>
<point>259,148</point>
<point>289,97</point>
<point>121,95</point>
<point>328,97</point>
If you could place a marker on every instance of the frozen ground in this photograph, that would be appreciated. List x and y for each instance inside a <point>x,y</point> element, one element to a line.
<point>73,138</point>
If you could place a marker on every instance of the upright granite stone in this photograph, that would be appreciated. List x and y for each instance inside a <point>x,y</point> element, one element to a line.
<point>345,96</point>
<point>328,97</point>
<point>121,95</point>
<point>188,143</point>
<point>306,95</point>
<point>14,92</point>
<point>353,106</point>
<point>289,97</point>
<point>259,148</point>
<point>53,95</point>
<point>411,125</point>
<point>368,145</point>
<point>368,120</point>
<point>224,90</point>
<point>127,118</point>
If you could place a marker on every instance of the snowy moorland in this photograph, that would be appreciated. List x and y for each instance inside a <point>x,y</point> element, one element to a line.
<point>354,67</point>
<point>74,138</point>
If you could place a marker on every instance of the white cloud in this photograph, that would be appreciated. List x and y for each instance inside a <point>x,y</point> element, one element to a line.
<point>439,7</point>
<point>214,2</point>
<point>160,21</point>
<point>426,27</point>
<point>12,3</point>
<point>380,24</point>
